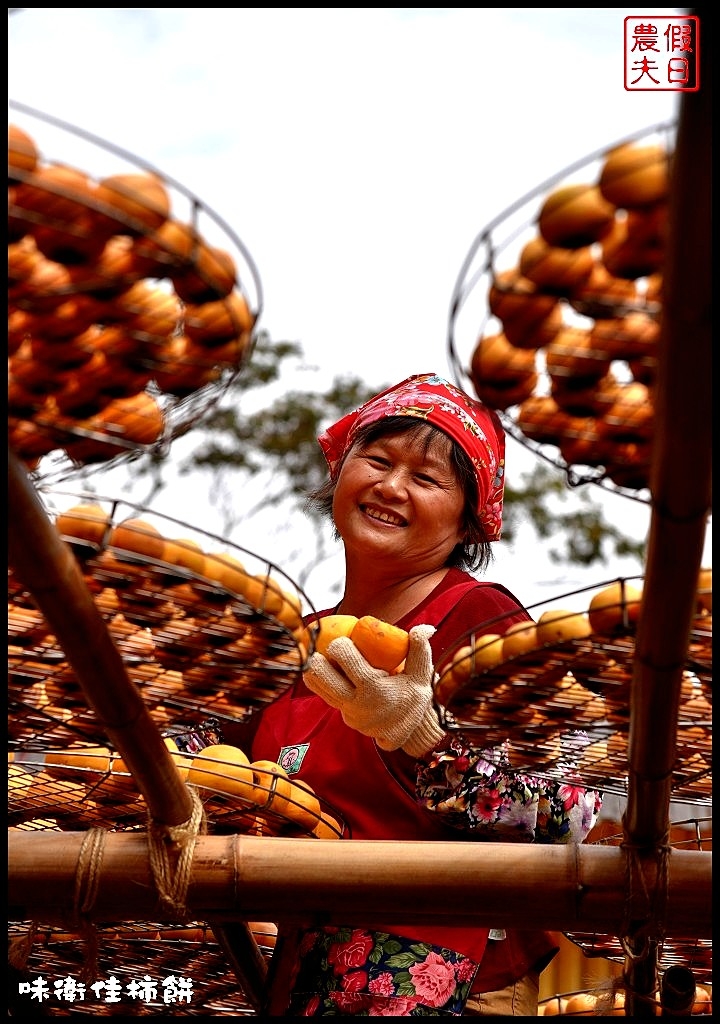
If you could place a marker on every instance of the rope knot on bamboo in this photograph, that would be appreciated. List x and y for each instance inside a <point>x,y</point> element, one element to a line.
<point>643,926</point>
<point>87,879</point>
<point>171,849</point>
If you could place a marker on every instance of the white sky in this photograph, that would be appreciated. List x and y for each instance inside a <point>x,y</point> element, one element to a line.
<point>357,152</point>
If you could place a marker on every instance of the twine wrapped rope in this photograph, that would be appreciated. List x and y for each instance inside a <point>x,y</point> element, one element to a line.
<point>649,927</point>
<point>643,932</point>
<point>172,874</point>
<point>87,876</point>
<point>87,879</point>
<point>171,849</point>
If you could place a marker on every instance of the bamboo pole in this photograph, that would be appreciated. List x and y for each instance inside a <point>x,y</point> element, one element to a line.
<point>681,502</point>
<point>680,478</point>
<point>236,878</point>
<point>47,566</point>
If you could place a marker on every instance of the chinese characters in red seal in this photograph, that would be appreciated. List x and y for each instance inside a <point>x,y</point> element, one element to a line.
<point>662,53</point>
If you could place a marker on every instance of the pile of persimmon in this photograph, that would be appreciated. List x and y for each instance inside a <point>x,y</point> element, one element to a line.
<point>612,1004</point>
<point>262,786</point>
<point>567,663</point>
<point>112,304</point>
<point>612,610</point>
<point>586,383</point>
<point>137,542</point>
<point>381,643</point>
<point>265,786</point>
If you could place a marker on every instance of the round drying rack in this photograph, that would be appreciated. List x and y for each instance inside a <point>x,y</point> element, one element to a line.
<point>79,788</point>
<point>132,306</point>
<point>206,629</point>
<point>491,265</point>
<point>561,709</point>
<point>133,952</point>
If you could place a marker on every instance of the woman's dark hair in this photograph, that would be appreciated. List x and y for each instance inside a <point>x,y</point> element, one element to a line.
<point>475,552</point>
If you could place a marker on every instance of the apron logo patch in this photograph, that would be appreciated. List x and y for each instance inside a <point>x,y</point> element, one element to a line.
<point>291,758</point>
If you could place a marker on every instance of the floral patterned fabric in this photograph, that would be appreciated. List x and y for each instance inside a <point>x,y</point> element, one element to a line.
<point>478,792</point>
<point>360,973</point>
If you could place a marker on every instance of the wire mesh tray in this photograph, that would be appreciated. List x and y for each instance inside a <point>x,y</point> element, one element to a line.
<point>79,788</point>
<point>560,339</point>
<point>564,706</point>
<point>692,953</point>
<point>131,305</point>
<point>608,1000</point>
<point>219,640</point>
<point>131,953</point>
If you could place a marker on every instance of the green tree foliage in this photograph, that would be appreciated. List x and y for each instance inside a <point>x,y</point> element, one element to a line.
<point>582,535</point>
<point>276,445</point>
<point>283,435</point>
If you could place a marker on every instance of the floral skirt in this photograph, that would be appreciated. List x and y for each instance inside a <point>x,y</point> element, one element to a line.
<point>360,973</point>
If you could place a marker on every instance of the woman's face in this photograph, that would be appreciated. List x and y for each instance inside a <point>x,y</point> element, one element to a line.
<point>398,498</point>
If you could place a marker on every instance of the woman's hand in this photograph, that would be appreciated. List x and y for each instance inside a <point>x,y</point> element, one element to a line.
<point>395,710</point>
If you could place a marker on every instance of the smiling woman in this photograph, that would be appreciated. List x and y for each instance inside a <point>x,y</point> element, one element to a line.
<point>416,202</point>
<point>415,495</point>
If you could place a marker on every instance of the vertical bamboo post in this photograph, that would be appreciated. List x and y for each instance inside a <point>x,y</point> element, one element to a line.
<point>681,502</point>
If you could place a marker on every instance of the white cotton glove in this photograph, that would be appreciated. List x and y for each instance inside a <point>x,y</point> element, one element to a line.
<point>395,710</point>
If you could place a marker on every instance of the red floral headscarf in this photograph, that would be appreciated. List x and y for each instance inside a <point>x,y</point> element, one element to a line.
<point>476,428</point>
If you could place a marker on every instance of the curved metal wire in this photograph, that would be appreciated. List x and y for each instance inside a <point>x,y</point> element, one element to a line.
<point>59,439</point>
<point>196,203</point>
<point>480,265</point>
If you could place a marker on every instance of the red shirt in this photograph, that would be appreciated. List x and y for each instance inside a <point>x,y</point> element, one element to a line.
<point>374,791</point>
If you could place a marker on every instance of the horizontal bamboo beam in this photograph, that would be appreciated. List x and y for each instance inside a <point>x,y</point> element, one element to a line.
<point>236,878</point>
